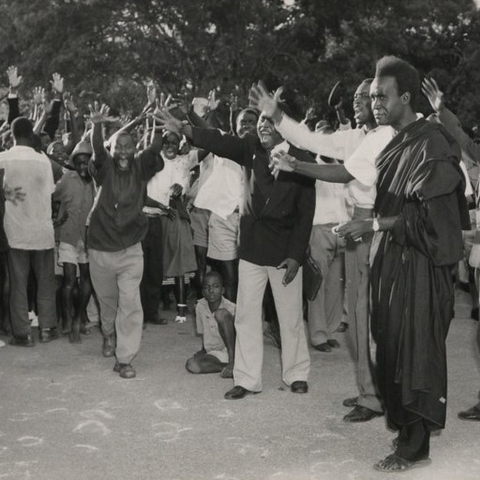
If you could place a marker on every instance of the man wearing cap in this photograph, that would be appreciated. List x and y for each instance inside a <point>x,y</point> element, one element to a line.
<point>75,194</point>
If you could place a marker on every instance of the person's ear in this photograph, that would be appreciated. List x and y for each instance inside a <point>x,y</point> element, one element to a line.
<point>223,290</point>
<point>406,98</point>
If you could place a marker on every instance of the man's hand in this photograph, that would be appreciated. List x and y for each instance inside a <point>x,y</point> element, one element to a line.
<point>176,190</point>
<point>151,93</point>
<point>166,120</point>
<point>13,194</point>
<point>57,83</point>
<point>14,79</point>
<point>355,229</point>
<point>38,95</point>
<point>260,99</point>
<point>99,114</point>
<point>213,102</point>
<point>283,161</point>
<point>435,96</point>
<point>58,222</point>
<point>292,267</point>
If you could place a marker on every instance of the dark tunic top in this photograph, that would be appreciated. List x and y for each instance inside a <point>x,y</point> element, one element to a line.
<point>419,181</point>
<point>118,221</point>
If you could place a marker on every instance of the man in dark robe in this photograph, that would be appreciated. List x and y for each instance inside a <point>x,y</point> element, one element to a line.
<point>420,207</point>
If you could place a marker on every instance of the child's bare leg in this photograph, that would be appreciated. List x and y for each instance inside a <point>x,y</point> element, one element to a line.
<point>84,295</point>
<point>69,289</point>
<point>226,328</point>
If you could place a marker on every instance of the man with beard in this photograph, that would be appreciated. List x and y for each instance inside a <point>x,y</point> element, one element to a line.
<point>275,227</point>
<point>420,209</point>
<point>359,175</point>
<point>117,227</point>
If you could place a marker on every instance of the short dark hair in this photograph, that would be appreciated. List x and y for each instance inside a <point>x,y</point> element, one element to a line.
<point>405,75</point>
<point>213,273</point>
<point>250,110</point>
<point>22,127</point>
<point>367,80</point>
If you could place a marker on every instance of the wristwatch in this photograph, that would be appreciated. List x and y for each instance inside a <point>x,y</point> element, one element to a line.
<point>375,225</point>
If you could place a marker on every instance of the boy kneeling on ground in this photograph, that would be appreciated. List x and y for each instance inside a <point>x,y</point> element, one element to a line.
<point>215,323</point>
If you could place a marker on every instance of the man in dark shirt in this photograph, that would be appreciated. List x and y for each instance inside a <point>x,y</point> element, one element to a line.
<point>117,227</point>
<point>275,228</point>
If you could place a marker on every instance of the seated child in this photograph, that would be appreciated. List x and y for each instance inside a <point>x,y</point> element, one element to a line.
<point>215,322</point>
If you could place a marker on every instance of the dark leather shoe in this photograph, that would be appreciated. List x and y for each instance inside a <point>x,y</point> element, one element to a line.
<point>46,335</point>
<point>333,343</point>
<point>24,341</point>
<point>238,392</point>
<point>156,320</point>
<point>323,347</point>
<point>361,414</point>
<point>299,387</point>
<point>470,414</point>
<point>125,370</point>
<point>108,349</point>
<point>350,402</point>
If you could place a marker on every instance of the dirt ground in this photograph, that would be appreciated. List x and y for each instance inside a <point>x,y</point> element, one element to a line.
<point>65,415</point>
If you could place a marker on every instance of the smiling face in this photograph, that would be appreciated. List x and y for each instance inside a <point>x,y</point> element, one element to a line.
<point>269,137</point>
<point>246,123</point>
<point>362,105</point>
<point>171,145</point>
<point>387,105</point>
<point>123,151</point>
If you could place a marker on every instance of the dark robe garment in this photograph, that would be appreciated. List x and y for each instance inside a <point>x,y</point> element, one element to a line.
<point>421,182</point>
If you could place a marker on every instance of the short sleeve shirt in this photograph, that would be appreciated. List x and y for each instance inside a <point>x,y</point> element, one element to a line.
<point>207,325</point>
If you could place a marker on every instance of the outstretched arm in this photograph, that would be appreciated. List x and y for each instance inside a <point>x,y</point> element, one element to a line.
<point>327,173</point>
<point>296,133</point>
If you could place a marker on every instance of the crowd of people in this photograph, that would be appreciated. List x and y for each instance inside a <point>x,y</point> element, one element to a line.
<point>259,217</point>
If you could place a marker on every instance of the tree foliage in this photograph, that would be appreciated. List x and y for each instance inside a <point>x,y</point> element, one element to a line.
<point>113,47</point>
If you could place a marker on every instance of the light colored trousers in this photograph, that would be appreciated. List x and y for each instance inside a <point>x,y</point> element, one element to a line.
<point>326,309</point>
<point>248,324</point>
<point>357,273</point>
<point>116,278</point>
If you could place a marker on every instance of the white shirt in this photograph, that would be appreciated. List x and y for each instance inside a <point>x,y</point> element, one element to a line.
<point>222,191</point>
<point>350,146</point>
<point>331,203</point>
<point>174,171</point>
<point>28,224</point>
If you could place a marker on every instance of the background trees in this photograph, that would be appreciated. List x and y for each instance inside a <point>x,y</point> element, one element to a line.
<point>112,47</point>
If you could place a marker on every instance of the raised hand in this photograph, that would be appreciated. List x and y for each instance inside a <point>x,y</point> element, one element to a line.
<point>38,95</point>
<point>57,83</point>
<point>260,99</point>
<point>14,79</point>
<point>213,102</point>
<point>164,119</point>
<point>283,161</point>
<point>47,106</point>
<point>151,93</point>
<point>100,114</point>
<point>68,102</point>
<point>432,91</point>
<point>234,103</point>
